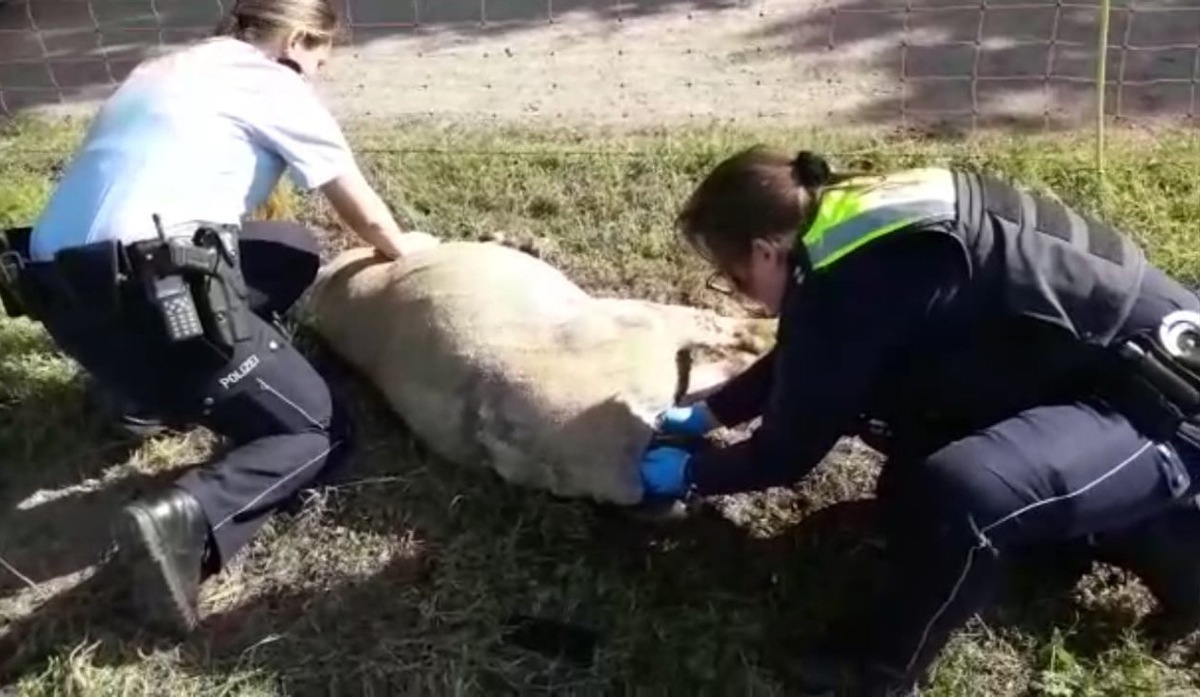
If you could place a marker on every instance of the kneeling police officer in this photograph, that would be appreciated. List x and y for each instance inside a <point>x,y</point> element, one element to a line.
<point>1030,377</point>
<point>142,268</point>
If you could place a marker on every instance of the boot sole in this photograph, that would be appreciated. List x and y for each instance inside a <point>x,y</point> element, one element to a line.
<point>158,592</point>
<point>142,430</point>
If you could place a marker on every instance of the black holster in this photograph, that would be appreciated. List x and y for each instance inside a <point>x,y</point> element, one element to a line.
<point>1158,391</point>
<point>207,272</point>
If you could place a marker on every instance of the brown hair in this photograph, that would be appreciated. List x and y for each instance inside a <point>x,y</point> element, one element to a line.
<point>256,20</point>
<point>758,193</point>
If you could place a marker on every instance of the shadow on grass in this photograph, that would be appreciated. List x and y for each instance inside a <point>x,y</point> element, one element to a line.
<point>422,622</point>
<point>58,481</point>
<point>381,633</point>
<point>403,575</point>
<point>373,634</point>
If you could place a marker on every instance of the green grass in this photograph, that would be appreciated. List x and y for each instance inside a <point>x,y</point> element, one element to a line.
<point>402,580</point>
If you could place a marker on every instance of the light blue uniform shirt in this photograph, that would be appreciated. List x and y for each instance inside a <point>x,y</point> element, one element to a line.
<point>201,134</point>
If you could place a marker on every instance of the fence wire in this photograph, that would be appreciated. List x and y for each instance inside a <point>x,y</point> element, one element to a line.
<point>1018,65</point>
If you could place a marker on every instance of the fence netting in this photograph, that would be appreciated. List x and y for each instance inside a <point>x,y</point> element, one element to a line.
<point>1009,64</point>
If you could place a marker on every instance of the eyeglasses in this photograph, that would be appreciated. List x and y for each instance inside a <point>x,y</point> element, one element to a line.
<point>720,283</point>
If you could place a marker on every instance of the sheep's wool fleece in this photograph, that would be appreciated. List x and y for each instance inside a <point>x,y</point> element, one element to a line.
<point>493,357</point>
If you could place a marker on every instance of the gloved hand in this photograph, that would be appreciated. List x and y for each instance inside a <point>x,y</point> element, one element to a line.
<point>692,420</point>
<point>664,472</point>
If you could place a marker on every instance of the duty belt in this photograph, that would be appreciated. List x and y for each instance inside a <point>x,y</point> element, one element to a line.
<point>1165,368</point>
<point>88,276</point>
<point>26,286</point>
<point>10,271</point>
<point>194,283</point>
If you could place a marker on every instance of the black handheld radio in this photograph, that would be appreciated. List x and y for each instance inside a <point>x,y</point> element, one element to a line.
<point>196,286</point>
<point>172,297</point>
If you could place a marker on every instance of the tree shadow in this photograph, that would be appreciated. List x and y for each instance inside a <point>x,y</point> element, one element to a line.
<point>57,538</point>
<point>357,636</point>
<point>393,629</point>
<point>57,52</point>
<point>649,595</point>
<point>949,67</point>
<point>938,66</point>
<point>64,474</point>
<point>487,544</point>
<point>365,635</point>
<point>55,486</point>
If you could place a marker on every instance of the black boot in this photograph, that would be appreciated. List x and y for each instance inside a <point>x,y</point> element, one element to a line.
<point>162,541</point>
<point>1165,554</point>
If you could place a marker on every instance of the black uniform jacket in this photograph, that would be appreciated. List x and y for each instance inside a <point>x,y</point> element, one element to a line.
<point>895,333</point>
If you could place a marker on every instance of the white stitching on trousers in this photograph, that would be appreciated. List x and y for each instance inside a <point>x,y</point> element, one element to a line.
<point>276,485</point>
<point>984,542</point>
<point>263,384</point>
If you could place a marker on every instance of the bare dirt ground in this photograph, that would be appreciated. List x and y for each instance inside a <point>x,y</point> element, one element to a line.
<point>1016,64</point>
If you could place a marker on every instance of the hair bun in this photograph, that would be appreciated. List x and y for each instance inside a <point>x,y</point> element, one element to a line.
<point>810,170</point>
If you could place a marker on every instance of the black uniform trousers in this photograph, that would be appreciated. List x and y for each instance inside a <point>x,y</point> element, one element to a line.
<point>1053,474</point>
<point>284,423</point>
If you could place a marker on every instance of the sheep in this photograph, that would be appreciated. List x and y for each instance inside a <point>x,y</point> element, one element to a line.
<point>493,357</point>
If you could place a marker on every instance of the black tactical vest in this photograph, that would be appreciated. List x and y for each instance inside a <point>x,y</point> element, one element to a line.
<point>1053,263</point>
<point>1059,286</point>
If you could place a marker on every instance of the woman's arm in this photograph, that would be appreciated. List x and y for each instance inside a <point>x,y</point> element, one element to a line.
<point>743,396</point>
<point>288,118</point>
<point>839,334</point>
<point>357,204</point>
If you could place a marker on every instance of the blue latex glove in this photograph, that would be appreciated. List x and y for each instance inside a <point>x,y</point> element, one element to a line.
<point>664,472</point>
<point>692,420</point>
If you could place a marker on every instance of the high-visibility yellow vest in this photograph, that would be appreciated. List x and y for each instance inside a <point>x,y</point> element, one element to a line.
<point>852,213</point>
<point>1045,260</point>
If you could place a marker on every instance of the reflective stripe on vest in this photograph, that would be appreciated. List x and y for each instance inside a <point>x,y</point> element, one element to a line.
<point>853,213</point>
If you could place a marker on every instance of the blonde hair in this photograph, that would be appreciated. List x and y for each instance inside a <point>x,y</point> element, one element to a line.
<point>257,20</point>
